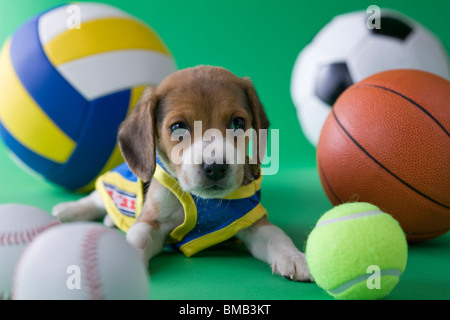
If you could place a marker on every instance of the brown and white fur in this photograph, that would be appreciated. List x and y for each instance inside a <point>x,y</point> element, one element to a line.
<point>216,97</point>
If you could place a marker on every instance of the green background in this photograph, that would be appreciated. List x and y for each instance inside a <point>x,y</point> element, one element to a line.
<point>259,39</point>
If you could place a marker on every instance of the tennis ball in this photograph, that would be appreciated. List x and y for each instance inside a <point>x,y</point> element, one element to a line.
<point>356,251</point>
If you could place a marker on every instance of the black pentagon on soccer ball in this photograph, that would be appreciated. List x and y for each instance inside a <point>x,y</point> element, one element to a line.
<point>332,80</point>
<point>393,27</point>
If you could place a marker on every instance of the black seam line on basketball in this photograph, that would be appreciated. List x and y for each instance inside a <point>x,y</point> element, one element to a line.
<point>413,102</point>
<point>326,180</point>
<point>413,233</point>
<point>382,166</point>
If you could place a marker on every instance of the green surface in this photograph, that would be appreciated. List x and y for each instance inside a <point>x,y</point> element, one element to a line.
<point>260,39</point>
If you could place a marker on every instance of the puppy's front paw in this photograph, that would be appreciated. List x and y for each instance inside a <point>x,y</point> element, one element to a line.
<point>67,211</point>
<point>139,236</point>
<point>292,266</point>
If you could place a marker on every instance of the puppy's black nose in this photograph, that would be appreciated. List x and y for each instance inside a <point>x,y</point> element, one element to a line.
<point>215,171</point>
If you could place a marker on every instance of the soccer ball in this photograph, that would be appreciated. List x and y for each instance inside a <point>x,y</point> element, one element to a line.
<point>346,51</point>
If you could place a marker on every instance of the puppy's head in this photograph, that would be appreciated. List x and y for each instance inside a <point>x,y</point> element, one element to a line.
<point>198,119</point>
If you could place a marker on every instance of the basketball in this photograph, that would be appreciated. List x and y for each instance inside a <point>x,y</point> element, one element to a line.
<point>387,142</point>
<point>68,78</point>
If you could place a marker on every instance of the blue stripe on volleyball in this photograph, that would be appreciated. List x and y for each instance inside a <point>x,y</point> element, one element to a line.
<point>40,164</point>
<point>56,97</point>
<point>96,143</point>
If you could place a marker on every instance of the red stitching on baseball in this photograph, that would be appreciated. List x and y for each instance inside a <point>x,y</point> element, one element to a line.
<point>23,237</point>
<point>90,262</point>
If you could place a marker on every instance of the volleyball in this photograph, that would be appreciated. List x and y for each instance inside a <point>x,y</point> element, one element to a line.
<point>68,78</point>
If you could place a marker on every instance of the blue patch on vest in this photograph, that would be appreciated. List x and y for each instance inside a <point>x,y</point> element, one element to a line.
<point>217,214</point>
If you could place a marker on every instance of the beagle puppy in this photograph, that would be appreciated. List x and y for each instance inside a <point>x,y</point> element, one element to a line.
<point>182,183</point>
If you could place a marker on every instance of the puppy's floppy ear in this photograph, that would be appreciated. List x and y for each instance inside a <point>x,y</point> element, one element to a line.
<point>137,136</point>
<point>259,120</point>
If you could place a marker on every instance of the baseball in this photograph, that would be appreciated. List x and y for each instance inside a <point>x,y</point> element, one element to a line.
<point>19,225</point>
<point>80,261</point>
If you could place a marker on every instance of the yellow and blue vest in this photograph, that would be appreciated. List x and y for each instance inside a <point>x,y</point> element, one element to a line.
<point>206,221</point>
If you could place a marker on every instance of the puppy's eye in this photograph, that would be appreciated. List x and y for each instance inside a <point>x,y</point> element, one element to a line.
<point>178,126</point>
<point>238,123</point>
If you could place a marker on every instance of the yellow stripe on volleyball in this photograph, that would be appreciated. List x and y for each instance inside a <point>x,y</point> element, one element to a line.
<point>23,118</point>
<point>115,34</point>
<point>136,94</point>
<point>116,156</point>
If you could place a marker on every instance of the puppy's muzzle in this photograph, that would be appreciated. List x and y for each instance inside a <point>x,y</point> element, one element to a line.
<point>215,171</point>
